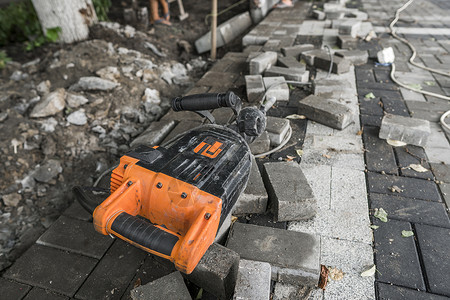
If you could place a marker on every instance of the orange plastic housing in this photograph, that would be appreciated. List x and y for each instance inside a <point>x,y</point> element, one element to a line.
<point>173,206</point>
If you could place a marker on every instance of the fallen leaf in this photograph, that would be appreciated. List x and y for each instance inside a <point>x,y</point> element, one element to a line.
<point>369,272</point>
<point>381,214</point>
<point>407,233</point>
<point>233,219</point>
<point>369,96</point>
<point>335,274</point>
<point>395,189</point>
<point>326,156</point>
<point>418,168</point>
<point>137,283</point>
<point>289,158</point>
<point>299,152</point>
<point>360,132</point>
<point>374,226</point>
<point>415,86</point>
<point>296,117</point>
<point>396,143</point>
<point>323,279</point>
<point>430,83</point>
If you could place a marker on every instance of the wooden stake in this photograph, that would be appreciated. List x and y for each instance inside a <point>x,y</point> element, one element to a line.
<point>213,29</point>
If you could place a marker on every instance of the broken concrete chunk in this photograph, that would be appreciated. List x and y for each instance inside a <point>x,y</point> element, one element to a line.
<point>325,111</point>
<point>277,129</point>
<point>290,194</point>
<point>74,101</point>
<point>50,105</point>
<point>253,280</point>
<point>276,87</point>
<point>409,130</point>
<point>263,61</point>
<point>255,88</point>
<point>171,286</point>
<point>386,56</point>
<point>293,256</point>
<point>300,75</point>
<point>93,84</point>
<point>78,118</point>
<point>217,271</point>
<point>254,198</point>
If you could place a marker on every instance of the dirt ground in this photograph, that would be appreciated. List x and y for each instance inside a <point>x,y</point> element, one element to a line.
<point>43,157</point>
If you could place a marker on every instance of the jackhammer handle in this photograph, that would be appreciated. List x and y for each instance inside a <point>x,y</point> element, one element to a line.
<point>143,234</point>
<point>200,102</point>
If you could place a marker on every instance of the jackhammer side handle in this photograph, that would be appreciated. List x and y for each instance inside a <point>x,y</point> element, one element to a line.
<point>200,102</point>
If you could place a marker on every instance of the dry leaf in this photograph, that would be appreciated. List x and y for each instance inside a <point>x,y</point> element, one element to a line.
<point>360,132</point>
<point>369,96</point>
<point>233,219</point>
<point>369,272</point>
<point>395,189</point>
<point>296,117</point>
<point>299,152</point>
<point>374,226</point>
<point>323,279</point>
<point>335,274</point>
<point>396,143</point>
<point>381,214</point>
<point>289,158</point>
<point>326,156</point>
<point>418,168</point>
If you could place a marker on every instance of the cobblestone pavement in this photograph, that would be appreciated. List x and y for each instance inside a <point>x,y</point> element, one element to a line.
<point>351,172</point>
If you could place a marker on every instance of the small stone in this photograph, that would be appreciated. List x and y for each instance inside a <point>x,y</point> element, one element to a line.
<point>109,73</point>
<point>93,84</point>
<point>75,101</point>
<point>49,125</point>
<point>18,75</point>
<point>3,116</point>
<point>151,96</point>
<point>77,118</point>
<point>386,56</point>
<point>12,199</point>
<point>43,88</point>
<point>48,171</point>
<point>50,105</point>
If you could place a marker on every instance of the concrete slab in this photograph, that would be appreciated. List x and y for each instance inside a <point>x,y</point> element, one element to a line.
<point>253,280</point>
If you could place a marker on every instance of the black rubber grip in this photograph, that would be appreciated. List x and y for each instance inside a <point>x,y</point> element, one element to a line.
<point>204,101</point>
<point>144,233</point>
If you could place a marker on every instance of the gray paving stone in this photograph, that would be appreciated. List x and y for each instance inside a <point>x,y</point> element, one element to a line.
<point>262,62</point>
<point>434,243</point>
<point>411,187</point>
<point>340,65</point>
<point>180,128</point>
<point>309,56</point>
<point>350,27</point>
<point>255,87</point>
<point>171,286</point>
<point>272,45</point>
<point>261,144</point>
<point>13,290</point>
<point>357,57</point>
<point>276,129</point>
<point>285,291</point>
<point>368,120</point>
<point>296,50</point>
<point>154,134</point>
<point>392,292</point>
<point>289,74</point>
<point>76,211</point>
<point>290,194</point>
<point>441,172</point>
<point>76,236</point>
<point>113,273</point>
<point>333,87</point>
<point>276,87</point>
<point>379,154</point>
<point>217,79</point>
<point>290,62</point>
<point>217,271</point>
<point>294,256</point>
<point>254,198</point>
<point>347,42</point>
<point>412,155</point>
<point>320,109</point>
<point>38,293</point>
<point>409,130</point>
<point>396,257</point>
<point>51,269</point>
<point>253,280</point>
<point>410,210</point>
